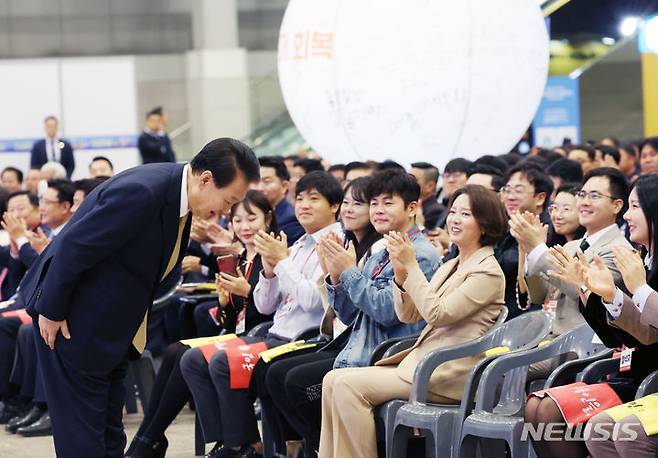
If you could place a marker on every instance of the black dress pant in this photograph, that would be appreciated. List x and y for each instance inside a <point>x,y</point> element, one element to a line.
<point>295,387</point>
<point>86,409</point>
<point>226,415</point>
<point>8,333</point>
<point>24,373</point>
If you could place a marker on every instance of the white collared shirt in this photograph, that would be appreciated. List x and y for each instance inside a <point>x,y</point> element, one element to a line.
<point>293,294</point>
<point>184,203</point>
<point>639,298</point>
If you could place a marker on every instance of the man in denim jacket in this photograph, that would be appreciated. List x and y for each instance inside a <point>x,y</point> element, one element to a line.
<point>365,298</point>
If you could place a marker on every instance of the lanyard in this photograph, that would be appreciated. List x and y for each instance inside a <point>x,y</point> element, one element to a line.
<point>384,262</point>
<point>246,277</point>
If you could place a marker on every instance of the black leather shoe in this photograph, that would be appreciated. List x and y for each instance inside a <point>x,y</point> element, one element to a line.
<point>246,451</point>
<point>11,409</point>
<point>18,422</point>
<point>143,447</point>
<point>41,427</point>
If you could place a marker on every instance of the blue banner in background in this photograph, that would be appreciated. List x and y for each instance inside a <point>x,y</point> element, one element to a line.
<point>558,115</point>
<point>100,142</point>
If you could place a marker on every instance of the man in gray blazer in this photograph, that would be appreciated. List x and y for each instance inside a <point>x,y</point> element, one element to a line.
<point>600,202</point>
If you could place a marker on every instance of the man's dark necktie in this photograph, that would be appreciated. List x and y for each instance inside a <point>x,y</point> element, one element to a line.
<point>583,245</point>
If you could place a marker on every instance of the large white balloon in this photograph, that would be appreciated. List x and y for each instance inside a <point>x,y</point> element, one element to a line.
<point>412,80</point>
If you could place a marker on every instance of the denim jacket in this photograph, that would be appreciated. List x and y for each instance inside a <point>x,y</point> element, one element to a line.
<point>365,299</point>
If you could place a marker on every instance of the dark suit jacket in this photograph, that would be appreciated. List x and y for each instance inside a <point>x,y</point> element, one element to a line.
<point>432,211</point>
<point>644,357</point>
<point>155,148</point>
<point>102,271</point>
<point>284,213</point>
<point>39,156</point>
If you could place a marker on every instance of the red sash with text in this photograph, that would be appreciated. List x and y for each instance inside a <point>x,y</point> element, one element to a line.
<point>209,350</point>
<point>241,362</point>
<point>578,402</point>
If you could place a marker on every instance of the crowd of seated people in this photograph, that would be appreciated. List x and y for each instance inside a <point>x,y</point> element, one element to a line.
<point>339,258</point>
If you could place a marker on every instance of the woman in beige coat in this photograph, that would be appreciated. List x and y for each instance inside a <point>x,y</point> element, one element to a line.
<point>460,303</point>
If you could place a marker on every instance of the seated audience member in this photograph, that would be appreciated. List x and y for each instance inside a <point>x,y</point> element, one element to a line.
<point>634,314</point>
<point>461,302</point>
<point>390,164</point>
<point>628,163</point>
<point>11,179</point>
<point>55,208</point>
<point>84,187</point>
<point>355,169</point>
<point>22,218</point>
<point>454,176</point>
<point>527,189</point>
<point>100,166</point>
<point>236,313</point>
<point>53,171</point>
<point>290,162</point>
<point>288,286</point>
<point>362,296</point>
<point>32,180</point>
<point>427,176</point>
<point>338,171</point>
<point>485,175</point>
<point>649,156</point>
<point>301,168</point>
<point>585,155</point>
<point>274,183</point>
<point>618,321</point>
<point>600,201</point>
<point>564,214</point>
<point>610,141</point>
<point>548,155</point>
<point>564,171</point>
<point>607,156</point>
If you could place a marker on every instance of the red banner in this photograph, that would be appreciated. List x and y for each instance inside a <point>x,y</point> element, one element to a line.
<point>579,401</point>
<point>21,314</point>
<point>209,350</point>
<point>241,362</point>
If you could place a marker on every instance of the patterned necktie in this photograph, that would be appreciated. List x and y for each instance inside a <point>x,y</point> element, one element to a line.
<point>139,341</point>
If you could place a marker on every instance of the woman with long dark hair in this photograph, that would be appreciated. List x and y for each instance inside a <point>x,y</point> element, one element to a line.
<point>170,392</point>
<point>615,317</point>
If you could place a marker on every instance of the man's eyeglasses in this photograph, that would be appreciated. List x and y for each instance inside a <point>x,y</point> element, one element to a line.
<point>593,195</point>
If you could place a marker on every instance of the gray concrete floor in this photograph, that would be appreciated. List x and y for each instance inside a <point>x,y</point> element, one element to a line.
<point>180,436</point>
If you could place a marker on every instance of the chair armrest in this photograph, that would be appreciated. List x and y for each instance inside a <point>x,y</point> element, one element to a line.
<point>648,386</point>
<point>486,398</point>
<point>197,298</point>
<point>383,348</point>
<point>306,334</point>
<point>567,372</point>
<point>434,359</point>
<point>261,329</point>
<point>599,369</point>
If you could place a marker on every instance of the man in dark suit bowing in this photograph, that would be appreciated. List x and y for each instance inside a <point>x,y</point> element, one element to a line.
<point>90,290</point>
<point>52,148</point>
